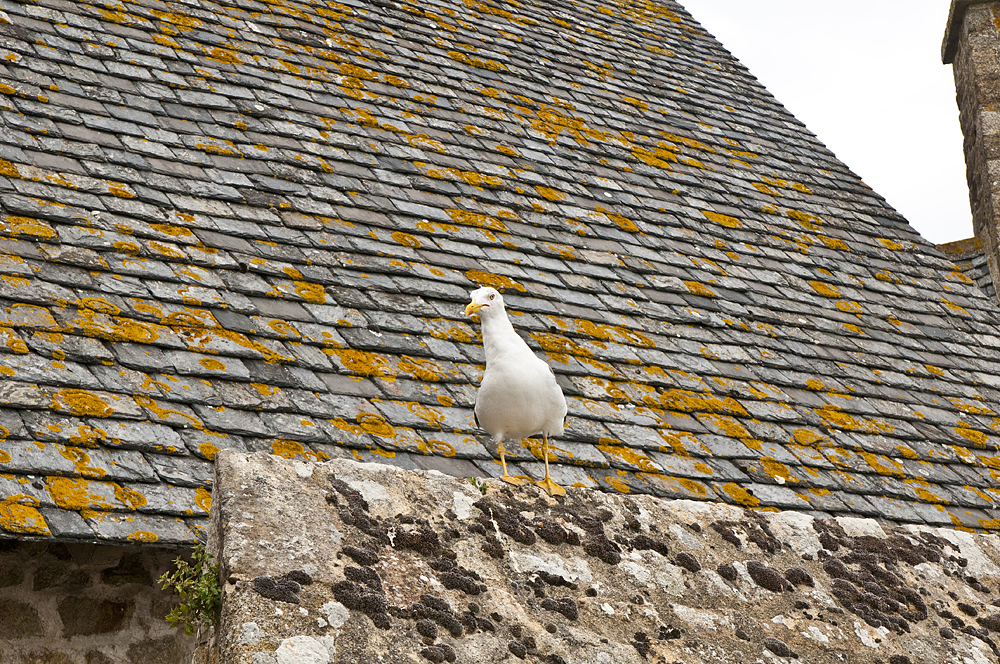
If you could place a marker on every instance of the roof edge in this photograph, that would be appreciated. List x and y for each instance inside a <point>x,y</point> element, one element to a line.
<point>956,14</point>
<point>961,248</point>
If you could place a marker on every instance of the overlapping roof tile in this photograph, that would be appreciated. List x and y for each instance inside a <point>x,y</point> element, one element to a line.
<point>254,225</point>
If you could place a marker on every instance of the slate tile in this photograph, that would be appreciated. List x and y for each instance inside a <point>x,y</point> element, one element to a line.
<point>66,524</point>
<point>165,498</point>
<point>898,510</point>
<point>26,457</point>
<point>131,435</point>
<point>118,527</point>
<point>231,420</point>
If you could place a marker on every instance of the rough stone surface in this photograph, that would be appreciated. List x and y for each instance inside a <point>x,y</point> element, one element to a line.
<point>374,551</point>
<point>87,604</point>
<point>971,48</point>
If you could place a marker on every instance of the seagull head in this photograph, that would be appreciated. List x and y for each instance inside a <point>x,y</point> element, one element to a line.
<point>486,301</point>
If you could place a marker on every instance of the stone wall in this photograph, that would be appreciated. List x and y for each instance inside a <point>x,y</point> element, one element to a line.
<point>972,46</point>
<point>346,562</point>
<point>86,604</point>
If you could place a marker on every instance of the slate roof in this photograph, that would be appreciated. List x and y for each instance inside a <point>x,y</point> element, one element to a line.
<point>255,225</point>
<point>969,257</point>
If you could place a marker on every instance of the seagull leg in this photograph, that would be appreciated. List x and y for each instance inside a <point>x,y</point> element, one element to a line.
<point>503,462</point>
<point>547,483</point>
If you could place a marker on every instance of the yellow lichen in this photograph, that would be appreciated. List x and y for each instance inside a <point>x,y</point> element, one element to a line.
<point>824,289</point>
<point>18,515</point>
<point>725,220</point>
<point>497,281</point>
<point>81,402</point>
<point>739,495</point>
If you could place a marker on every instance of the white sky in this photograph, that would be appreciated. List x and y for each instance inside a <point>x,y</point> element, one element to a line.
<point>866,77</point>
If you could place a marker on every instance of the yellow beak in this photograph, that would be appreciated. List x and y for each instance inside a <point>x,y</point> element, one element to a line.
<point>472,308</point>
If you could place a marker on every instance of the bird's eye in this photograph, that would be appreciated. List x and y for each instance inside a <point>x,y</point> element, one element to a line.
<point>493,296</point>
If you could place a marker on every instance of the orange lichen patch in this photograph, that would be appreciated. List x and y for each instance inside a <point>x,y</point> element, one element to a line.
<point>143,536</point>
<point>971,409</point>
<point>371,423</point>
<point>128,497</point>
<point>165,413</point>
<point>835,417</point>
<point>728,425</point>
<point>203,499</point>
<point>82,402</point>
<point>776,469</point>
<point>406,239</point>
<point>810,222</point>
<point>497,281</point>
<point>638,103</point>
<point>75,494</point>
<point>18,226</point>
<point>550,194</point>
<point>439,447</point>
<point>677,441</point>
<point>310,292</point>
<point>363,363</point>
<point>421,368</point>
<point>891,245</point>
<point>604,332</point>
<point>696,288</point>
<point>702,468</point>
<point>474,178</point>
<point>689,142</point>
<point>212,148</point>
<point>212,364</point>
<point>810,438</point>
<point>478,63</point>
<point>7,168</point>
<point>624,223</point>
<point>431,416</point>
<point>291,449</point>
<point>80,461</point>
<point>849,307</point>
<point>739,495</point>
<point>833,243</point>
<point>602,70</point>
<point>925,495</point>
<point>764,189</point>
<point>442,328</point>
<point>692,402</point>
<point>467,218</point>
<point>224,56</point>
<point>660,157</point>
<point>558,347</point>
<point>882,465</point>
<point>208,450</point>
<point>956,275</point>
<point>636,458</point>
<point>18,515</point>
<point>954,308</point>
<point>725,220</point>
<point>978,438</point>
<point>825,289</point>
<point>182,21</point>
<point>173,230</point>
<point>421,141</point>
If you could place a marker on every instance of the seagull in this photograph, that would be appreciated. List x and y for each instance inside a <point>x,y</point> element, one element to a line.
<point>519,396</point>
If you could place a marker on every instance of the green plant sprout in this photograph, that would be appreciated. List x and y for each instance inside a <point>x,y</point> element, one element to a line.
<point>480,484</point>
<point>197,584</point>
